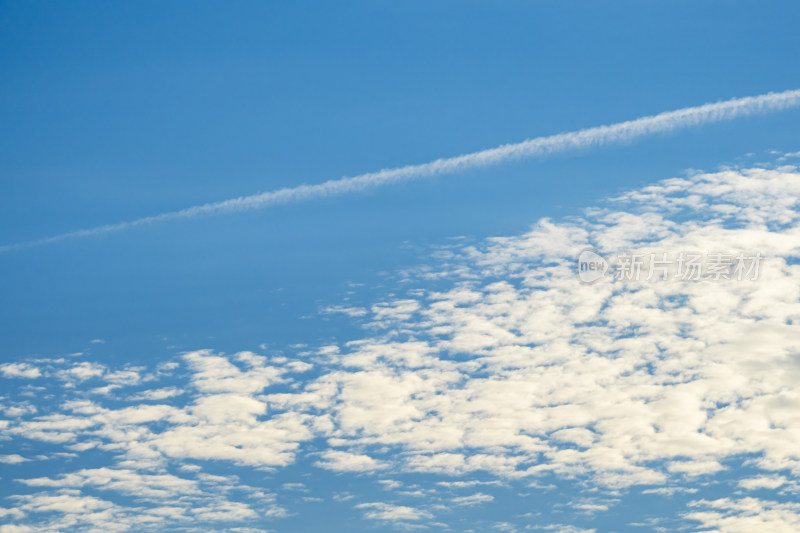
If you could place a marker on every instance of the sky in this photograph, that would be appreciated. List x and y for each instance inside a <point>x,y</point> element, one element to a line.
<point>413,345</point>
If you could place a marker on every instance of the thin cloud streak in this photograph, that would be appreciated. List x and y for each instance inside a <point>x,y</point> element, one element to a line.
<point>538,147</point>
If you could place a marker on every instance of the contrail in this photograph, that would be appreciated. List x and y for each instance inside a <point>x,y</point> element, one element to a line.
<point>538,147</point>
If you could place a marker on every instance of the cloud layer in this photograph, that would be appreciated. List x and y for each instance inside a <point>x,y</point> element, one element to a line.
<point>510,375</point>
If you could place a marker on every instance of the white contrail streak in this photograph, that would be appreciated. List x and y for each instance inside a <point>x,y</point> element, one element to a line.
<point>540,146</point>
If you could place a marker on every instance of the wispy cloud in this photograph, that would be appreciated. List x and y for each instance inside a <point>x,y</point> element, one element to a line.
<point>537,147</point>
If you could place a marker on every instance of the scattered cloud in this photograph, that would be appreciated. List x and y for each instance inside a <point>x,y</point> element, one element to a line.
<point>392,513</point>
<point>473,499</point>
<point>349,462</point>
<point>508,369</point>
<point>13,459</point>
<point>745,515</point>
<point>20,370</point>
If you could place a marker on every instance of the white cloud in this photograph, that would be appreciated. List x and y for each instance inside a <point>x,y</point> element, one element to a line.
<point>20,370</point>
<point>473,499</point>
<point>746,515</point>
<point>161,501</point>
<point>83,371</point>
<point>156,394</point>
<point>12,459</point>
<point>127,377</point>
<point>466,484</point>
<point>352,312</point>
<point>125,481</point>
<point>349,462</point>
<point>511,368</point>
<point>218,374</point>
<point>392,513</point>
<point>18,409</point>
<point>762,482</point>
<point>565,528</point>
<point>11,528</point>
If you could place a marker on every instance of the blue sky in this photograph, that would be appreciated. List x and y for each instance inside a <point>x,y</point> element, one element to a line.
<point>111,113</point>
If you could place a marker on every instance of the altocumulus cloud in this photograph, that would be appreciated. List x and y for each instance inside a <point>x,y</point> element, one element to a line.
<point>510,373</point>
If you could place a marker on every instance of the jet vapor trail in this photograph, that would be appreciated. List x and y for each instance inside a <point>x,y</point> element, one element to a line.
<point>538,147</point>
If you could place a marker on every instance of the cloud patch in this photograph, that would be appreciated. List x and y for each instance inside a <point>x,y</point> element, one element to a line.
<point>510,372</point>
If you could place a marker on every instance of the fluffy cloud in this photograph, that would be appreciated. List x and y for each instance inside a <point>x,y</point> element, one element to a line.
<point>391,513</point>
<point>746,515</point>
<point>20,370</point>
<point>349,462</point>
<point>510,369</point>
